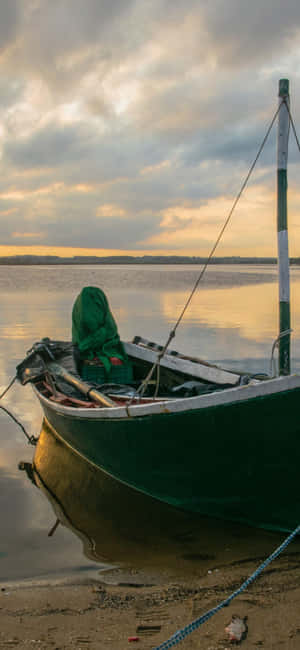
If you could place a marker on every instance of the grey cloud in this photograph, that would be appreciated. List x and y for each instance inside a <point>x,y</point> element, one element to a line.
<point>111,166</point>
<point>15,223</point>
<point>232,146</point>
<point>240,30</point>
<point>103,35</point>
<point>109,232</point>
<point>69,218</point>
<point>233,32</point>
<point>11,91</point>
<point>79,229</point>
<point>100,31</point>
<point>62,41</point>
<point>178,111</point>
<point>5,205</point>
<point>51,146</point>
<point>60,27</point>
<point>80,154</point>
<point>10,12</point>
<point>45,148</point>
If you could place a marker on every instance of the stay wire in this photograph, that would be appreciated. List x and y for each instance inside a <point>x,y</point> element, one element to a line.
<point>172,334</point>
<point>227,219</point>
<point>292,123</point>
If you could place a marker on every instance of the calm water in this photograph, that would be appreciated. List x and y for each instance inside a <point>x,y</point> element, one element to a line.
<point>232,320</point>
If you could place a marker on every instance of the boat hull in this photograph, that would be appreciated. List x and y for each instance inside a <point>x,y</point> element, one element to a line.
<point>237,461</point>
<point>118,524</point>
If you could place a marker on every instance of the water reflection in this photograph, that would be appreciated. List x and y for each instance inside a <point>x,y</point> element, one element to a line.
<point>25,549</point>
<point>120,526</point>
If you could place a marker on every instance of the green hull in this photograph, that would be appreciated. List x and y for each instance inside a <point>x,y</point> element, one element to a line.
<point>238,461</point>
<point>118,524</point>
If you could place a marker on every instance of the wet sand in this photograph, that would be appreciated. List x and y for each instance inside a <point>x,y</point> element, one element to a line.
<point>122,603</point>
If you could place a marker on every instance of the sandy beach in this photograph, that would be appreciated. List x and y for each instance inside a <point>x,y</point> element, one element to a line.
<point>128,608</point>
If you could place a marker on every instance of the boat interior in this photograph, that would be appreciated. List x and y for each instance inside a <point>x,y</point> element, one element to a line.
<point>176,375</point>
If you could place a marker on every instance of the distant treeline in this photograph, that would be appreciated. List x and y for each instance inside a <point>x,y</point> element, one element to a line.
<point>20,260</point>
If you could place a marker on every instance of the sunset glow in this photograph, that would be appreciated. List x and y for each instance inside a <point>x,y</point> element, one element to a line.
<point>136,141</point>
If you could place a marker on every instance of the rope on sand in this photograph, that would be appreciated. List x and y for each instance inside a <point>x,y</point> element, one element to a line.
<point>180,635</point>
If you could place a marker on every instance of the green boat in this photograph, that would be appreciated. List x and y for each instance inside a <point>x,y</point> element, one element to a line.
<point>198,437</point>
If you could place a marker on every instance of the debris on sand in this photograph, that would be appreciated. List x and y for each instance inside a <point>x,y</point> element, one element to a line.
<point>237,629</point>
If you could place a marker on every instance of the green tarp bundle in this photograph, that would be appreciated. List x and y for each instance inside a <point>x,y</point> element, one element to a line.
<point>94,330</point>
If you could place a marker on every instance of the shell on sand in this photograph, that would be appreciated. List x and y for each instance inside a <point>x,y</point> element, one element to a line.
<point>237,628</point>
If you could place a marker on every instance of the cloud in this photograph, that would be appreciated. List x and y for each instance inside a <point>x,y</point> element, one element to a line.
<point>61,42</point>
<point>114,115</point>
<point>9,23</point>
<point>103,156</point>
<point>242,32</point>
<point>91,232</point>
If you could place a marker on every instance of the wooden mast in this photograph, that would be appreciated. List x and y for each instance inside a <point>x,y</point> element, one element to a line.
<point>282,230</point>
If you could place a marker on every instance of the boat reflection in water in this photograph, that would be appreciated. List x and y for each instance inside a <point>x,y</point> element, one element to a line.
<point>123,527</point>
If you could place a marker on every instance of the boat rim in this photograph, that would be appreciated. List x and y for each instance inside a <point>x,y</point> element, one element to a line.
<point>226,396</point>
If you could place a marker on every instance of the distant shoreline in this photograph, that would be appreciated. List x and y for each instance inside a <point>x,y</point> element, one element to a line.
<point>43,260</point>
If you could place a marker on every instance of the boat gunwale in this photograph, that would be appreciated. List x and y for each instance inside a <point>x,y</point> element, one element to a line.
<point>223,397</point>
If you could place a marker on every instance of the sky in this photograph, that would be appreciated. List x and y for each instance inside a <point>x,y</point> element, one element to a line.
<point>127,127</point>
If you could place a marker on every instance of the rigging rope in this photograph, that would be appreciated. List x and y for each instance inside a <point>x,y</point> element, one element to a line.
<point>8,387</point>
<point>292,123</point>
<point>275,344</point>
<point>227,220</point>
<point>172,333</point>
<point>31,439</point>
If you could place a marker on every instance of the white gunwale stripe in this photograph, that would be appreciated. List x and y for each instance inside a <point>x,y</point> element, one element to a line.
<point>219,398</point>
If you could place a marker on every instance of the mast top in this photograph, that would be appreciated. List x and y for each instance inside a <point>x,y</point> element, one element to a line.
<point>283,87</point>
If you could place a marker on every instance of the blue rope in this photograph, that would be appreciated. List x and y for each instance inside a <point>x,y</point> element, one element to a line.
<point>180,635</point>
